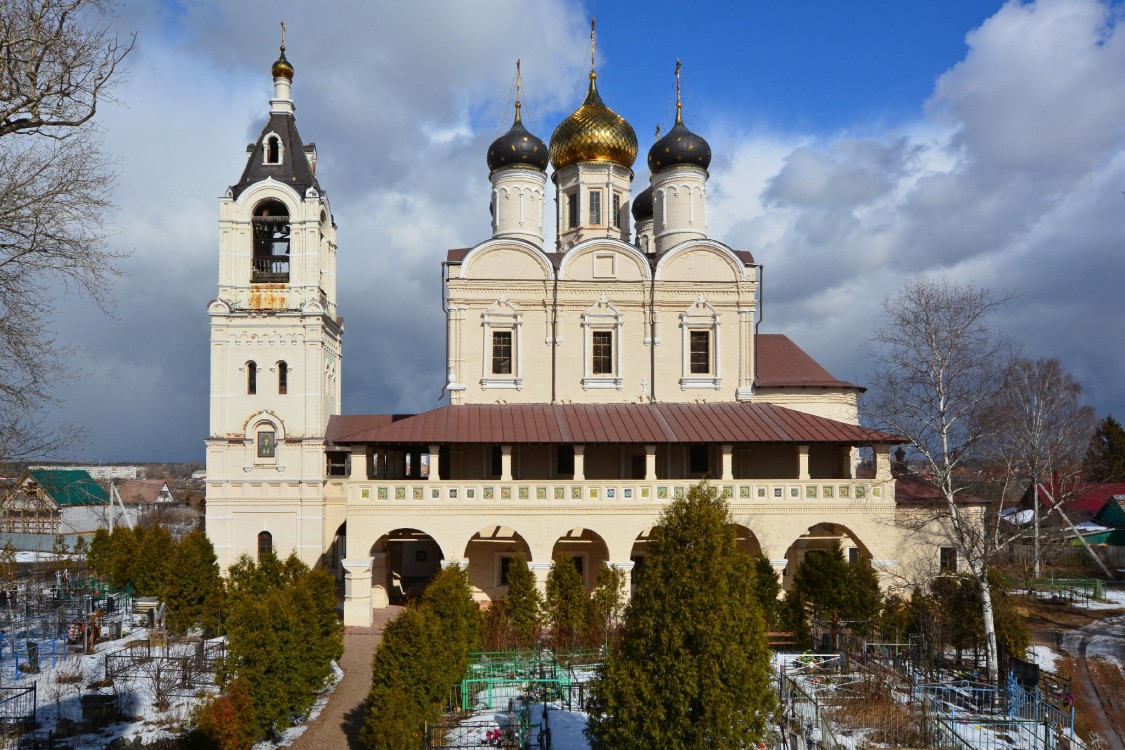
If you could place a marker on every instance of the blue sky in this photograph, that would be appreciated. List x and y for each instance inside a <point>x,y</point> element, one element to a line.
<point>856,144</point>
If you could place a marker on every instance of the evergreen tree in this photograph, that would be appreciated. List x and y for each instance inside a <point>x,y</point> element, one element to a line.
<point>606,605</point>
<point>152,566</point>
<point>692,669</point>
<point>98,557</point>
<point>193,592</point>
<point>567,601</point>
<point>865,598</point>
<point>1105,455</point>
<point>281,637</point>
<point>406,683</point>
<point>450,597</point>
<point>831,586</point>
<point>767,589</point>
<point>525,603</point>
<point>123,545</point>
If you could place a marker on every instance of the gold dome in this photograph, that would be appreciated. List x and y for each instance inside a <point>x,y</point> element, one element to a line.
<point>282,68</point>
<point>593,133</point>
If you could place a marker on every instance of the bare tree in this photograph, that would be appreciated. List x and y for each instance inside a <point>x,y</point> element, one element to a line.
<point>1040,429</point>
<point>939,368</point>
<point>58,61</point>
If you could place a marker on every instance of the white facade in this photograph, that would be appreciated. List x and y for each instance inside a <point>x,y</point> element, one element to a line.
<point>275,349</point>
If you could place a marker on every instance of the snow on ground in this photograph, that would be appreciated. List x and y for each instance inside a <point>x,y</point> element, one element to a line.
<point>1046,657</point>
<point>65,675</point>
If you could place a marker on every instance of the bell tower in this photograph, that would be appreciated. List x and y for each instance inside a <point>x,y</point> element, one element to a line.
<point>275,348</point>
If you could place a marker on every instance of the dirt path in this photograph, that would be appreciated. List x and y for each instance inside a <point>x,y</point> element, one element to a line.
<point>1099,653</point>
<point>338,724</point>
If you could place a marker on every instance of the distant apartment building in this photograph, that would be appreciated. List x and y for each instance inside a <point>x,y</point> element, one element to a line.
<point>101,471</point>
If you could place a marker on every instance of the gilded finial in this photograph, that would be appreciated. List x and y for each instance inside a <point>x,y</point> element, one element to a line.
<point>593,53</point>
<point>679,102</point>
<point>519,85</point>
<point>657,136</point>
<point>283,37</point>
<point>282,68</point>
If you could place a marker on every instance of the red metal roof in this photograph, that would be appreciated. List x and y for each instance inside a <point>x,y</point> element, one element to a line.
<point>783,363</point>
<point>1087,497</point>
<point>603,423</point>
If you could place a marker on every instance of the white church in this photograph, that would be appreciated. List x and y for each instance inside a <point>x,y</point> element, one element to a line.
<point>591,377</point>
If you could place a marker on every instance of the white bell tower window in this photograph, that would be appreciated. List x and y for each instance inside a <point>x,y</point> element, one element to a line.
<point>272,149</point>
<point>282,378</point>
<point>251,378</point>
<point>595,207</point>
<point>271,231</point>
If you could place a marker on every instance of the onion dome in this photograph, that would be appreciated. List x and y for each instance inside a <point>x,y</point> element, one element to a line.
<point>593,133</point>
<point>642,205</point>
<point>679,146</point>
<point>517,148</point>
<point>282,68</point>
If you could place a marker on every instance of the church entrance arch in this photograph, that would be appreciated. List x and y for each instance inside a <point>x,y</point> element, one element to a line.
<point>822,536</point>
<point>489,553</point>
<point>587,549</point>
<point>406,560</point>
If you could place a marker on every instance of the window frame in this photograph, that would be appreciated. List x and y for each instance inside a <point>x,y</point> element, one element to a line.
<point>703,351</point>
<point>251,377</point>
<point>265,550</point>
<point>572,218</point>
<point>272,140</point>
<point>282,378</point>
<point>701,317</point>
<point>615,217</point>
<point>594,208</point>
<point>601,352</point>
<point>501,317</point>
<point>602,318</point>
<point>946,565</point>
<point>502,352</point>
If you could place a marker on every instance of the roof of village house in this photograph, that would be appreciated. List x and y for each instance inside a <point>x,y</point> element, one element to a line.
<point>603,423</point>
<point>1084,497</point>
<point>141,491</point>
<point>68,487</point>
<point>912,489</point>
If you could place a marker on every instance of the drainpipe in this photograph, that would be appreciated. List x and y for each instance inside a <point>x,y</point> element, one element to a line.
<point>445,309</point>
<point>554,330</point>
<point>652,336</point>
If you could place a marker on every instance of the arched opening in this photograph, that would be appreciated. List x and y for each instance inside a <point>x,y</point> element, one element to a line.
<point>282,378</point>
<point>821,536</point>
<point>746,540</point>
<point>265,545</point>
<point>273,150</point>
<point>409,561</point>
<point>490,552</point>
<point>587,549</point>
<point>639,555</point>
<point>271,242</point>
<point>251,378</point>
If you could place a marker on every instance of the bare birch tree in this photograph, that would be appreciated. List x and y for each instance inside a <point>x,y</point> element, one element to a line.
<point>1040,430</point>
<point>939,367</point>
<point>58,61</point>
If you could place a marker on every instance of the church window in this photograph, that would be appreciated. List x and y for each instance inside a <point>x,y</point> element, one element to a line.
<point>947,559</point>
<point>282,378</point>
<point>267,444</point>
<point>602,359</point>
<point>265,545</point>
<point>251,378</point>
<point>571,211</point>
<point>595,207</point>
<point>700,352</point>
<point>617,210</point>
<point>273,150</point>
<point>501,352</point>
<point>271,243</point>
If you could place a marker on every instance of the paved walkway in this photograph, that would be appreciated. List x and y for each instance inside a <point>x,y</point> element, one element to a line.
<point>338,724</point>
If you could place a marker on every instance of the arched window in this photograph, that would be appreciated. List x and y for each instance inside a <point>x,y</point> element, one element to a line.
<point>273,150</point>
<point>271,242</point>
<point>282,378</point>
<point>251,378</point>
<point>265,545</point>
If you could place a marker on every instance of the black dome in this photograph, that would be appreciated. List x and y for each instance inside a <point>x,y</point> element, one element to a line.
<point>517,147</point>
<point>642,205</point>
<point>679,146</point>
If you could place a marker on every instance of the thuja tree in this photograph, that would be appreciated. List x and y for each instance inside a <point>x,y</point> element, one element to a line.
<point>832,586</point>
<point>567,602</point>
<point>767,589</point>
<point>423,654</point>
<point>282,635</point>
<point>525,603</point>
<point>606,605</point>
<point>692,669</point>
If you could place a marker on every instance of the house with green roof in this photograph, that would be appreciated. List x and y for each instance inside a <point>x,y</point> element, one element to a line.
<point>54,501</point>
